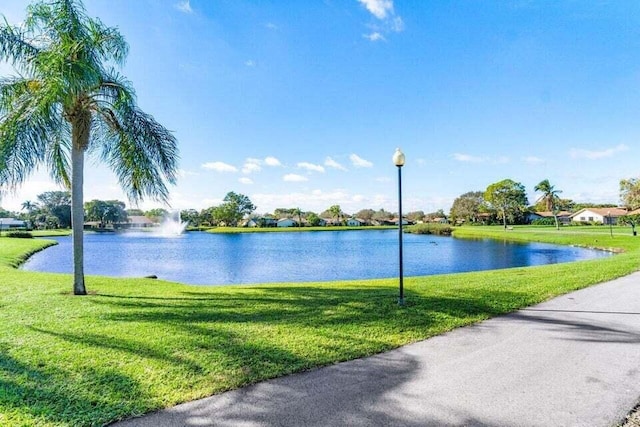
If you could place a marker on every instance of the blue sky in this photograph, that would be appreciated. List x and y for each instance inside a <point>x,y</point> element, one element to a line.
<point>302,104</point>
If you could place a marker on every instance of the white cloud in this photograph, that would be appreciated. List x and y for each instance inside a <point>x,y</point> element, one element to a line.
<point>250,63</point>
<point>271,26</point>
<point>533,160</point>
<point>272,161</point>
<point>388,21</point>
<point>397,24</point>
<point>310,167</point>
<point>578,153</point>
<point>374,37</point>
<point>251,165</point>
<point>330,163</point>
<point>383,179</point>
<point>184,6</point>
<point>501,160</point>
<point>467,158</point>
<point>381,9</point>
<point>183,173</point>
<point>359,162</point>
<point>219,167</point>
<point>292,177</point>
<point>245,180</point>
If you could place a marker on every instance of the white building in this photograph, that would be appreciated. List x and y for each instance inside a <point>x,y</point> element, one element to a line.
<point>11,223</point>
<point>599,215</point>
<point>287,222</point>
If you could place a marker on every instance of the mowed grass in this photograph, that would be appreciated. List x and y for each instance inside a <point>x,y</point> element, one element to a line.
<point>136,345</point>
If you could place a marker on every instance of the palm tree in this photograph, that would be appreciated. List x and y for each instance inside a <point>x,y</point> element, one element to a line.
<point>550,198</point>
<point>66,100</point>
<point>335,211</point>
<point>297,212</point>
<point>28,206</point>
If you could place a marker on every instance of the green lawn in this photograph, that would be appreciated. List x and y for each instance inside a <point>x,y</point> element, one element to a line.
<point>135,345</point>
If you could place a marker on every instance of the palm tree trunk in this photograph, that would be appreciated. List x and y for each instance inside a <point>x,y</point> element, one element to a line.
<point>555,217</point>
<point>80,129</point>
<point>77,219</point>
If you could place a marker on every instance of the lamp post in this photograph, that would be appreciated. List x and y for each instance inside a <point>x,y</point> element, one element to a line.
<point>398,160</point>
<point>610,225</point>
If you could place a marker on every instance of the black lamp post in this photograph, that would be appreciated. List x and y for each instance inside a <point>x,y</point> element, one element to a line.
<point>398,160</point>
<point>610,224</point>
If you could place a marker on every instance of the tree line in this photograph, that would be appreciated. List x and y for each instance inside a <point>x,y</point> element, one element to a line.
<point>506,202</point>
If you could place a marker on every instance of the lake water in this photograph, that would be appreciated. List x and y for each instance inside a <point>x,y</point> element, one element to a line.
<point>218,259</point>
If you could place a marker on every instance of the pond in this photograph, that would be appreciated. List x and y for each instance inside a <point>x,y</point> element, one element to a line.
<point>218,259</point>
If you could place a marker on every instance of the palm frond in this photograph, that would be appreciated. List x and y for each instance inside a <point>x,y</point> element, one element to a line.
<point>14,47</point>
<point>29,122</point>
<point>141,152</point>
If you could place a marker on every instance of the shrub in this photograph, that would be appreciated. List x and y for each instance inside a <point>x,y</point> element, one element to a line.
<point>543,221</point>
<point>430,228</point>
<point>20,234</point>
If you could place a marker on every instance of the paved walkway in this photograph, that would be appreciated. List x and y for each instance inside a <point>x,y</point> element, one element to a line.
<point>572,361</point>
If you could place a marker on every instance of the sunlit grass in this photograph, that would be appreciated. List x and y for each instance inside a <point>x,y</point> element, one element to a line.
<point>135,345</point>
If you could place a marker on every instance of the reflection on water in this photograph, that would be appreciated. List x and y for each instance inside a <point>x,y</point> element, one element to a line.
<point>203,258</point>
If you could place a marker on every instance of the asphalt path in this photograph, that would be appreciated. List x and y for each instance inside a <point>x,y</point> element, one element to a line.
<point>571,361</point>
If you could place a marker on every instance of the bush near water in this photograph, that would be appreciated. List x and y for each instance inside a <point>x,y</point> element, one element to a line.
<point>430,228</point>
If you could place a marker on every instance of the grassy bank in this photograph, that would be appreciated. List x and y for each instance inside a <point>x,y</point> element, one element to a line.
<point>136,345</point>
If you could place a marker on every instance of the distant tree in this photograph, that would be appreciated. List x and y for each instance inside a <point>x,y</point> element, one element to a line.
<point>467,207</point>
<point>135,212</point>
<point>29,206</point>
<point>235,206</point>
<point>297,213</point>
<point>508,198</point>
<point>550,198</point>
<point>382,215</point>
<point>58,204</point>
<point>431,216</point>
<point>366,214</point>
<point>191,217</point>
<point>157,214</point>
<point>105,212</point>
<point>630,193</point>
<point>313,219</point>
<point>415,216</point>
<point>631,220</point>
<point>336,212</point>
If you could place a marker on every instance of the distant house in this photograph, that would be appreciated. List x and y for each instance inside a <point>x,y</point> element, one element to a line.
<point>599,215</point>
<point>251,223</point>
<point>564,217</point>
<point>396,221</point>
<point>384,222</point>
<point>11,223</point>
<point>287,222</point>
<point>331,222</point>
<point>139,221</point>
<point>354,222</point>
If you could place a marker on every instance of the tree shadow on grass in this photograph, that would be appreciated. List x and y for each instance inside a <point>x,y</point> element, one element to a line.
<point>30,395</point>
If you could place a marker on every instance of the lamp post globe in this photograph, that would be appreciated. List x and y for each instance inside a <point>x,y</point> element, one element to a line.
<point>398,160</point>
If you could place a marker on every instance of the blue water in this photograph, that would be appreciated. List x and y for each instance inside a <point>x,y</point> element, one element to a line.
<point>216,259</point>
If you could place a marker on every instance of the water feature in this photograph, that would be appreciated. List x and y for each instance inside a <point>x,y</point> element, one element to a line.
<point>204,258</point>
<point>171,226</point>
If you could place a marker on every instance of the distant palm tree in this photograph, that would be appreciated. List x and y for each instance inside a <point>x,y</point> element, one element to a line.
<point>297,212</point>
<point>550,198</point>
<point>67,100</point>
<point>28,206</point>
<point>336,212</point>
